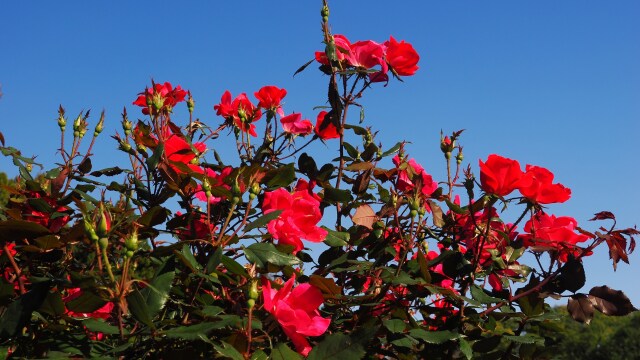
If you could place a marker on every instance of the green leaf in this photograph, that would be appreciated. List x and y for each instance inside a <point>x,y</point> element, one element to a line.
<point>154,216</point>
<point>465,348</point>
<point>212,311</point>
<point>229,351</point>
<point>53,304</point>
<point>187,258</point>
<point>18,313</point>
<point>259,355</point>
<point>336,238</point>
<point>157,293</point>
<point>522,339</point>
<point>280,177</point>
<point>233,267</point>
<point>87,302</point>
<point>358,130</point>
<point>153,160</point>
<point>479,294</point>
<point>405,342</point>
<point>214,260</point>
<point>393,150</point>
<point>263,253</point>
<point>301,68</point>
<point>138,308</point>
<point>434,337</point>
<point>337,195</point>
<point>192,332</point>
<point>351,150</point>
<point>48,242</point>
<point>282,352</point>
<point>112,171</point>
<point>262,220</point>
<point>12,230</point>
<point>337,346</point>
<point>395,325</point>
<point>100,326</point>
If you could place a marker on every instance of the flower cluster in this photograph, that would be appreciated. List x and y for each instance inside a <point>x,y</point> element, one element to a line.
<point>160,98</point>
<point>500,176</point>
<point>400,57</point>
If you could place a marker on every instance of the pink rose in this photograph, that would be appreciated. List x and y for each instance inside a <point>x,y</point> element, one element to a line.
<point>296,311</point>
<point>298,220</point>
<point>294,124</point>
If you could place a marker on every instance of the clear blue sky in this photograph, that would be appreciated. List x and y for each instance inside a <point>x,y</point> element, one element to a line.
<point>551,83</point>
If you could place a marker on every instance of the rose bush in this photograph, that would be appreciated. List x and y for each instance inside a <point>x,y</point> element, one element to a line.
<point>179,250</point>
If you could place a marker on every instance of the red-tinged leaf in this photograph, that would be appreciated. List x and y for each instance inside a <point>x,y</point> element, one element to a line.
<point>2,139</point>
<point>580,308</point>
<point>438,215</point>
<point>585,232</point>
<point>326,285</point>
<point>610,302</point>
<point>365,216</point>
<point>603,215</point>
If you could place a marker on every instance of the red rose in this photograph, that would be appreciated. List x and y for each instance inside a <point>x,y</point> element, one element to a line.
<point>407,178</point>
<point>294,124</point>
<point>537,186</point>
<point>270,98</point>
<point>499,175</point>
<point>241,112</point>
<point>296,311</point>
<point>402,57</point>
<point>41,216</point>
<point>163,97</point>
<point>548,232</point>
<point>298,220</point>
<point>178,150</point>
<point>325,129</point>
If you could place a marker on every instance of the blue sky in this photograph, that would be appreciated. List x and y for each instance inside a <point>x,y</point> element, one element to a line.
<point>555,84</point>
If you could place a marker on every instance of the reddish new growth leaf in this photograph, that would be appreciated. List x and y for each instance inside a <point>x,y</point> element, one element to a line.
<point>364,216</point>
<point>603,215</point>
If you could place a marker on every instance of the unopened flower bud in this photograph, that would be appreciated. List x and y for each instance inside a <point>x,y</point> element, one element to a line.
<point>157,102</point>
<point>254,191</point>
<point>126,125</point>
<point>90,231</point>
<point>104,222</point>
<point>253,290</point>
<point>124,146</point>
<point>459,157</point>
<point>62,122</point>
<point>99,126</point>
<point>235,189</point>
<point>190,103</point>
<point>251,303</point>
<point>76,123</point>
<point>131,242</point>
